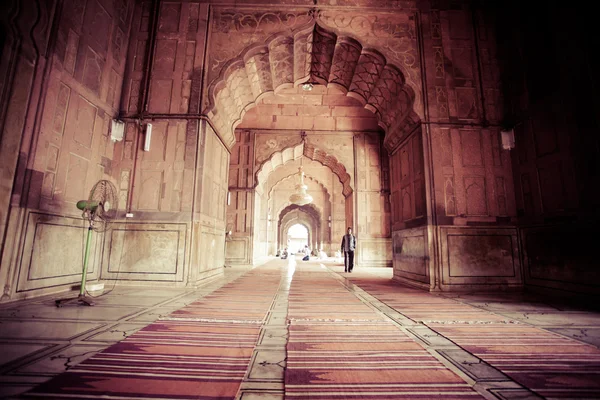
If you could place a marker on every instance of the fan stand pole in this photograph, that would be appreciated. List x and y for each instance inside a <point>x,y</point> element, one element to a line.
<point>82,298</point>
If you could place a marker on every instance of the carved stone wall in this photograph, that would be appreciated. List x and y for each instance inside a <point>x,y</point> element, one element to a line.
<point>408,211</point>
<point>373,212</point>
<point>165,60</point>
<point>430,193</point>
<point>72,94</point>
<point>318,179</point>
<point>407,178</point>
<point>472,176</point>
<point>240,211</point>
<point>276,158</point>
<point>209,218</point>
<point>556,161</point>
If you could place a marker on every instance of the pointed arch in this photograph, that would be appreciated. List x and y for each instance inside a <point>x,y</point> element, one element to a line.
<point>315,55</point>
<point>305,149</point>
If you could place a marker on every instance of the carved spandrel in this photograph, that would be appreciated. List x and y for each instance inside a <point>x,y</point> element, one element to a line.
<point>234,30</point>
<point>394,36</point>
<point>267,145</point>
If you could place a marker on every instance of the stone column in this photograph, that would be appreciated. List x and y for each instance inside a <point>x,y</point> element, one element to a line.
<point>372,227</point>
<point>240,212</point>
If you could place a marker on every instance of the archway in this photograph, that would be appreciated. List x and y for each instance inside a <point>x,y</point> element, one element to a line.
<point>297,238</point>
<point>303,215</point>
<point>318,56</point>
<point>312,55</point>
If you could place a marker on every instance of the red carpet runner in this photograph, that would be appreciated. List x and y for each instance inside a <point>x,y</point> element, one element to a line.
<point>549,364</point>
<point>199,352</point>
<point>339,348</point>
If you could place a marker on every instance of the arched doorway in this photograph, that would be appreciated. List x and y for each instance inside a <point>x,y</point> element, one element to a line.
<point>297,238</point>
<point>284,99</point>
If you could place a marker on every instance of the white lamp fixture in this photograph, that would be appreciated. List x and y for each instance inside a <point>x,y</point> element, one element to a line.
<point>148,137</point>
<point>300,197</point>
<point>307,87</point>
<point>508,139</point>
<point>116,131</point>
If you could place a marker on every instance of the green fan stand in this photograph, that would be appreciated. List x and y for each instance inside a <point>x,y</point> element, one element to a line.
<point>82,298</point>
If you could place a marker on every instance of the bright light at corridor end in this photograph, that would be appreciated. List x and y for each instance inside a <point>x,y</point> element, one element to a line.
<point>307,87</point>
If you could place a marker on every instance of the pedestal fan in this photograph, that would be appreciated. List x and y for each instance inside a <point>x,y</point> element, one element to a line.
<point>99,209</point>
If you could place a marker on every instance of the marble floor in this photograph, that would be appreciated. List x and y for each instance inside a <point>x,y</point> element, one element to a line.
<point>40,340</point>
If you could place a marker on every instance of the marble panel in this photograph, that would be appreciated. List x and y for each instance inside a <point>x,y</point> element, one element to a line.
<point>146,252</point>
<point>55,247</point>
<point>20,350</point>
<point>61,360</point>
<point>62,330</point>
<point>476,257</point>
<point>116,333</point>
<point>410,254</point>
<point>267,365</point>
<point>374,252</point>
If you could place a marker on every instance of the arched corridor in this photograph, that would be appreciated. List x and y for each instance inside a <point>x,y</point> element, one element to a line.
<point>459,140</point>
<point>292,329</point>
<point>297,236</point>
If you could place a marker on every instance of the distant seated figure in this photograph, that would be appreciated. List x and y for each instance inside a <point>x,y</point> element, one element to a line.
<point>306,253</point>
<point>322,255</point>
<point>284,254</point>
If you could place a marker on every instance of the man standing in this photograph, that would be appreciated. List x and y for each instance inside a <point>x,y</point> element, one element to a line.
<point>348,246</point>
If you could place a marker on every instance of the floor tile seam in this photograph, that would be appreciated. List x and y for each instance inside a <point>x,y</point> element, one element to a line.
<point>178,298</point>
<point>499,313</point>
<point>431,349</point>
<point>546,329</point>
<point>281,289</point>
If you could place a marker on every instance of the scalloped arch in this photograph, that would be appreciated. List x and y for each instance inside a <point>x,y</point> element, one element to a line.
<point>316,55</point>
<point>306,176</point>
<point>292,153</point>
<point>309,209</point>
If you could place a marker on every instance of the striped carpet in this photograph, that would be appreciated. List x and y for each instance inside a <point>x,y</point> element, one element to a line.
<point>339,348</point>
<point>201,351</point>
<point>551,365</point>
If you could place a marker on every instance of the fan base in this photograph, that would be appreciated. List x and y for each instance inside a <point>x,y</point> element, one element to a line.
<point>81,299</point>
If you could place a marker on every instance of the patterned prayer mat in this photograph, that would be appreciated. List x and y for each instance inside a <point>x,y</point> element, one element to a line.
<point>551,365</point>
<point>346,350</point>
<point>201,351</point>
